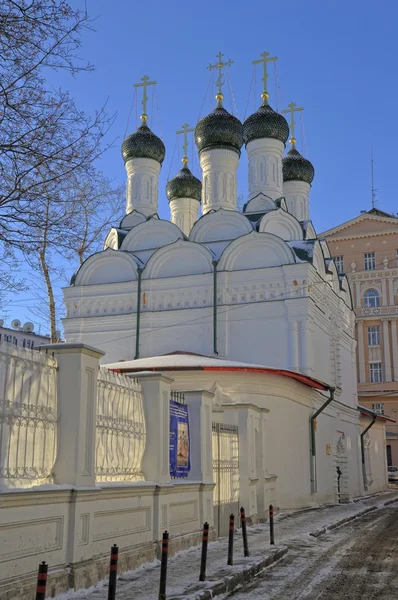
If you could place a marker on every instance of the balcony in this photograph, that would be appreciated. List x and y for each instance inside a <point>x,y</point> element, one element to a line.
<point>375,311</point>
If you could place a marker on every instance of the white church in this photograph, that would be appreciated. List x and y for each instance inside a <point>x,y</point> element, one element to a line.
<point>247,305</point>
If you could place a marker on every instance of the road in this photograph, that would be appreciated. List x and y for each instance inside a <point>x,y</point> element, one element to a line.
<point>355,562</point>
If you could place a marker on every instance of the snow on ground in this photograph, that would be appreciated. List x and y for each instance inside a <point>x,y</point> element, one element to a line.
<point>183,568</point>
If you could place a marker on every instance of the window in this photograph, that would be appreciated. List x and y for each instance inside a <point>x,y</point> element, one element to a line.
<point>7,338</point>
<point>376,375</point>
<point>339,262</point>
<point>27,344</point>
<point>374,335</point>
<point>378,408</point>
<point>370,261</point>
<point>371,298</point>
<point>15,341</point>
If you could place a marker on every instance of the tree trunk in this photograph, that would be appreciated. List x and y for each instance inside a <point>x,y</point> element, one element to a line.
<point>50,294</point>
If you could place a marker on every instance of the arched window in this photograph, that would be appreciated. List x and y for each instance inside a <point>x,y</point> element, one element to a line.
<point>371,298</point>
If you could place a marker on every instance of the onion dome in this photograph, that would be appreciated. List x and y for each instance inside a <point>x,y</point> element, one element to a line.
<point>297,168</point>
<point>219,129</point>
<point>265,123</point>
<point>143,143</point>
<point>184,185</point>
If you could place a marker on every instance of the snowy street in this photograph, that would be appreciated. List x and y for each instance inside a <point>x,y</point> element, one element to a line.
<point>313,568</point>
<point>354,562</point>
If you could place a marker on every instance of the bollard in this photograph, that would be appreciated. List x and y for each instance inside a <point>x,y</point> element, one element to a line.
<point>163,566</point>
<point>113,572</point>
<point>41,581</point>
<point>203,559</point>
<point>271,525</point>
<point>244,532</point>
<point>231,540</point>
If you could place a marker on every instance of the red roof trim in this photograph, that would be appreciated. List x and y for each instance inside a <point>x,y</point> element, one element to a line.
<point>308,381</point>
<point>369,413</point>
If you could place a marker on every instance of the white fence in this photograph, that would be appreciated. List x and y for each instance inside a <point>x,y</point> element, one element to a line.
<point>28,416</point>
<point>121,433</point>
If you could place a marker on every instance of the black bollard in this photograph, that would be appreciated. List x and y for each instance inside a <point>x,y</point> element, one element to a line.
<point>244,532</point>
<point>113,572</point>
<point>231,540</point>
<point>41,581</point>
<point>271,525</point>
<point>203,560</point>
<point>163,566</point>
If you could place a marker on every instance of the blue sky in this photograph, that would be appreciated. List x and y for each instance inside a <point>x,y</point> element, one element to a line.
<point>337,59</point>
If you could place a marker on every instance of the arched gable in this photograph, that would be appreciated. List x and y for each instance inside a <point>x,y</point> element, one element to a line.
<point>259,203</point>
<point>325,248</point>
<point>255,251</point>
<point>282,224</point>
<point>177,259</point>
<point>345,290</point>
<point>132,219</point>
<point>114,238</point>
<point>152,234</point>
<point>318,260</point>
<point>108,266</point>
<point>310,233</point>
<point>220,225</point>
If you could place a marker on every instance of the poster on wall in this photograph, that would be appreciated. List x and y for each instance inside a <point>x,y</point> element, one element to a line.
<point>180,462</point>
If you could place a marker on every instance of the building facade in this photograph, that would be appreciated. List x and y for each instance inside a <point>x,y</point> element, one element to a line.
<point>366,250</point>
<point>22,337</point>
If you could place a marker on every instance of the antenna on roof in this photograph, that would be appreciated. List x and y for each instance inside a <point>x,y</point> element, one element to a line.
<point>374,190</point>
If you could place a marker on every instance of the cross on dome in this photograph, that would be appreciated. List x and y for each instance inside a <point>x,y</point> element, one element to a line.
<point>185,130</point>
<point>292,109</point>
<point>144,84</point>
<point>220,80</point>
<point>265,59</point>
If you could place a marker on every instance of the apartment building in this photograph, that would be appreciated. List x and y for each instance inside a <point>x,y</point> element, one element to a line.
<point>366,250</point>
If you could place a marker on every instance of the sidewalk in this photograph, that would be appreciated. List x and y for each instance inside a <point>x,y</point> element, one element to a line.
<point>183,567</point>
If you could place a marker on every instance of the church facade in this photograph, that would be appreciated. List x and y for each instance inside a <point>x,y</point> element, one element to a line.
<point>252,287</point>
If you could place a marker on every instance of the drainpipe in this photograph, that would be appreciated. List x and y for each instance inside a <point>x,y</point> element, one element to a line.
<point>365,482</point>
<point>215,263</point>
<point>313,441</point>
<point>137,329</point>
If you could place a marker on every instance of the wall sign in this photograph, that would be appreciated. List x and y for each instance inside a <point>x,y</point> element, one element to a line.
<point>180,461</point>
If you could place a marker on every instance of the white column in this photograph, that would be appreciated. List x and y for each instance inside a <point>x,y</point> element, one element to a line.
<point>294,345</point>
<point>77,406</point>
<point>265,167</point>
<point>306,362</point>
<point>394,338</point>
<point>391,301</point>
<point>156,393</point>
<point>296,194</point>
<point>142,185</point>
<point>184,213</point>
<point>384,292</point>
<point>219,179</point>
<point>386,350</point>
<point>361,353</point>
<point>358,294</point>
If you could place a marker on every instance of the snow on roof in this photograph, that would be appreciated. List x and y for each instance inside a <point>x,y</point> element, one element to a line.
<point>189,361</point>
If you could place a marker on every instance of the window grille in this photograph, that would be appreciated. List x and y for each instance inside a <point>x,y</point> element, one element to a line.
<point>370,261</point>
<point>374,335</point>
<point>376,375</point>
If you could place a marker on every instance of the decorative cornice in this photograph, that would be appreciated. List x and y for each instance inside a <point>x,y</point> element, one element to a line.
<point>356,220</point>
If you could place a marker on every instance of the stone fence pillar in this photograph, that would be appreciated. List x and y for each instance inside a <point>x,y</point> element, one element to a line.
<point>77,398</point>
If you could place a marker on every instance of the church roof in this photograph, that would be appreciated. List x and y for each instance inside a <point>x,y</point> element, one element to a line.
<point>179,361</point>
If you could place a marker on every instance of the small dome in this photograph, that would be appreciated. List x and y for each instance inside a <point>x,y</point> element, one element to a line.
<point>143,143</point>
<point>297,168</point>
<point>265,123</point>
<point>184,185</point>
<point>219,129</point>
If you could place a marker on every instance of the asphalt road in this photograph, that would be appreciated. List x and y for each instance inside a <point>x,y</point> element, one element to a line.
<point>355,562</point>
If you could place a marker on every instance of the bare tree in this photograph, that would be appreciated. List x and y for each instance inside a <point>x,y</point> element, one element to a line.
<point>44,137</point>
<point>71,220</point>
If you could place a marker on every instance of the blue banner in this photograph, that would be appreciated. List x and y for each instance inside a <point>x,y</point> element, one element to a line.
<point>180,461</point>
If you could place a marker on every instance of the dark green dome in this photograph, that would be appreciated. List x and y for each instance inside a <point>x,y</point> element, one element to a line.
<point>297,168</point>
<point>184,185</point>
<point>143,143</point>
<point>219,129</point>
<point>265,123</point>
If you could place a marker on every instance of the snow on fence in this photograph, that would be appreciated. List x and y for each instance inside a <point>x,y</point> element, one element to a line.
<point>28,416</point>
<point>121,432</point>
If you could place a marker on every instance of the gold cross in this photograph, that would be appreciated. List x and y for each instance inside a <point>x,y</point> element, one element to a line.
<point>144,84</point>
<point>185,129</point>
<point>292,109</point>
<point>265,59</point>
<point>220,80</point>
